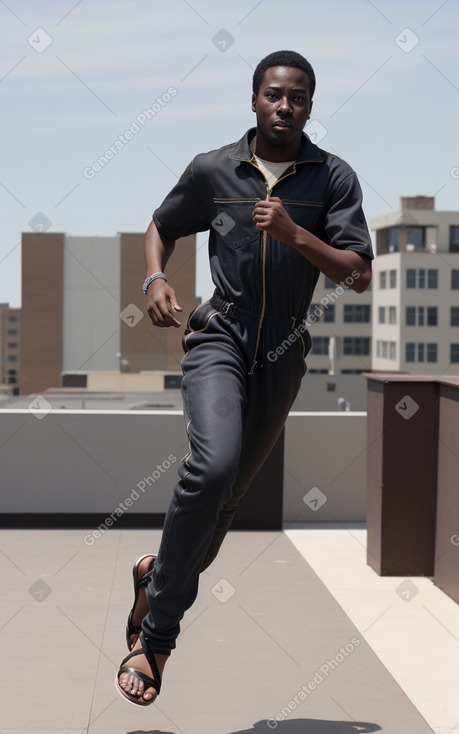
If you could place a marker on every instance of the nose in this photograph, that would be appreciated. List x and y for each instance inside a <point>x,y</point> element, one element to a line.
<point>284,105</point>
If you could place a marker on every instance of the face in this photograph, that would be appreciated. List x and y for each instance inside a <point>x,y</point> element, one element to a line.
<point>282,106</point>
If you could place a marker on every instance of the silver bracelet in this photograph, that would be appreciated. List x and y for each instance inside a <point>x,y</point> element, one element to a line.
<point>150,279</point>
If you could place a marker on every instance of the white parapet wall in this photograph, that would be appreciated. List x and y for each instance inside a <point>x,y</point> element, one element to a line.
<point>86,461</point>
<point>325,467</point>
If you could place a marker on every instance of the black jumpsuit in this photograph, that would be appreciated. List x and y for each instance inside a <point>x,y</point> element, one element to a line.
<point>237,389</point>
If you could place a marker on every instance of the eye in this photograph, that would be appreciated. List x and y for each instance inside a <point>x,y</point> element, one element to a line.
<point>271,95</point>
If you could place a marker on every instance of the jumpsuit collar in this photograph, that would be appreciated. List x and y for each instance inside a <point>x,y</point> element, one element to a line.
<point>309,153</point>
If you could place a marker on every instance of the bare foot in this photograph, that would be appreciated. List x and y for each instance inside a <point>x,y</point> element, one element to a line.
<point>134,686</point>
<point>140,608</point>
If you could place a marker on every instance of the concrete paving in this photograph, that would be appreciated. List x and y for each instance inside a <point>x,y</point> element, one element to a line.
<point>266,647</point>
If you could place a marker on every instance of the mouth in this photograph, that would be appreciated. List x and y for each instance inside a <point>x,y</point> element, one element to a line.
<point>281,124</point>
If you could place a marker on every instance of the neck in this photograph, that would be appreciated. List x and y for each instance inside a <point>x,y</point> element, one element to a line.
<point>276,154</point>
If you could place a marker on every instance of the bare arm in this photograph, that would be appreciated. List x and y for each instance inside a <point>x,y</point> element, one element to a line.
<point>337,265</point>
<point>161,298</point>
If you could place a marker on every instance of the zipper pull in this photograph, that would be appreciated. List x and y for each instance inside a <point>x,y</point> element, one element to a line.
<point>268,193</point>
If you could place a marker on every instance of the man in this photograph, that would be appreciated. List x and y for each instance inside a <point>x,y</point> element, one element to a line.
<point>279,210</point>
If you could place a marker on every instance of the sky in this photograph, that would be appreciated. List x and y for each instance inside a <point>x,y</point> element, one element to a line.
<point>155,83</point>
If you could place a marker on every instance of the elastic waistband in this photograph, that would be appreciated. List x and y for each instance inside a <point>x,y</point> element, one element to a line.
<point>253,319</point>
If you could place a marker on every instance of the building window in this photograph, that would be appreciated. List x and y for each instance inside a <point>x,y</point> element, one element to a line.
<point>383,279</point>
<point>326,314</point>
<point>386,350</point>
<point>455,280</point>
<point>420,350</point>
<point>320,345</point>
<point>356,313</point>
<point>454,353</point>
<point>392,278</point>
<point>381,315</point>
<point>418,278</point>
<point>416,237</point>
<point>411,278</point>
<point>410,351</point>
<point>12,332</point>
<point>12,345</point>
<point>12,319</point>
<point>432,278</point>
<point>419,311</point>
<point>432,352</point>
<point>392,315</point>
<point>394,235</point>
<point>454,315</point>
<point>356,345</point>
<point>12,358</point>
<point>411,316</point>
<point>432,315</point>
<point>454,239</point>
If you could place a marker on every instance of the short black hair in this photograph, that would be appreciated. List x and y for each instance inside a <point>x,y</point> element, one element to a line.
<point>283,58</point>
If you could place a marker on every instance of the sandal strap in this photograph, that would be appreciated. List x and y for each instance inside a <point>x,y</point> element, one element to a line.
<point>151,661</point>
<point>151,658</point>
<point>145,579</point>
<point>149,682</point>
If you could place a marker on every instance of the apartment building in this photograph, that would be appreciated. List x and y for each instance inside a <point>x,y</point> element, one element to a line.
<point>340,329</point>
<point>10,352</point>
<point>415,297</point>
<point>83,309</point>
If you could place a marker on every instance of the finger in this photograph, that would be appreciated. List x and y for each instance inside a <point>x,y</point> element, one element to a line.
<point>157,314</point>
<point>167,319</point>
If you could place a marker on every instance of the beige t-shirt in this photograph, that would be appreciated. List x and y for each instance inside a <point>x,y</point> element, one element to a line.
<point>272,171</point>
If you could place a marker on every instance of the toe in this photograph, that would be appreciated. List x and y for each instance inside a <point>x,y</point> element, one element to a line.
<point>150,694</point>
<point>137,686</point>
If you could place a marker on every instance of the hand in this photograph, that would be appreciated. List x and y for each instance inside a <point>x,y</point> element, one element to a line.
<point>270,216</point>
<point>161,302</point>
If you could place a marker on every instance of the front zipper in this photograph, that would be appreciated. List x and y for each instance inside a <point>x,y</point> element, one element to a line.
<point>263,300</point>
<point>265,237</point>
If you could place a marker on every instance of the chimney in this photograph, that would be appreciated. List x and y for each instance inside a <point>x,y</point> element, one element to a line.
<point>417,202</point>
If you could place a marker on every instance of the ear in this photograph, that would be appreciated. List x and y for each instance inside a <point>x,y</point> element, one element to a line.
<point>254,102</point>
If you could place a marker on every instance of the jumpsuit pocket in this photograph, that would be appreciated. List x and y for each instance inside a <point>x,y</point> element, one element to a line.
<point>303,213</point>
<point>198,321</point>
<point>234,221</point>
<point>306,344</point>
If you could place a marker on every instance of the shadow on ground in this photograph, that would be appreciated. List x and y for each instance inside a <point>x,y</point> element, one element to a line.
<point>296,726</point>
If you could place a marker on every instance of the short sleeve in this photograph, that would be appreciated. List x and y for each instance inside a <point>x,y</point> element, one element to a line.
<point>345,224</point>
<point>183,211</point>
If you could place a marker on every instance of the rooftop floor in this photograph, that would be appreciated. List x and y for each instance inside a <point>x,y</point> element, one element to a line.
<point>273,642</point>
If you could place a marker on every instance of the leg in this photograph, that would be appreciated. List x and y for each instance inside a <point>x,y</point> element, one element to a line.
<point>214,391</point>
<point>271,392</point>
<point>214,388</point>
